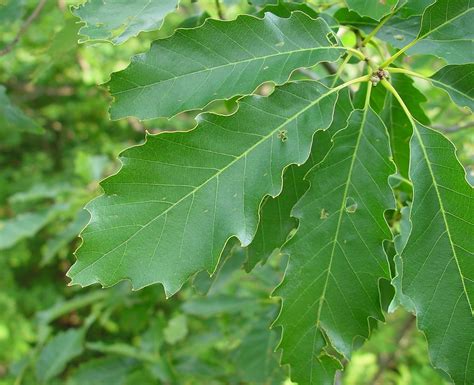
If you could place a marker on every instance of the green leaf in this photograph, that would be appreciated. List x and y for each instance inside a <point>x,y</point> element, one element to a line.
<point>124,349</point>
<point>444,13</point>
<point>176,330</point>
<point>62,348</point>
<point>375,9</point>
<point>11,11</point>
<point>13,119</point>
<point>414,7</point>
<point>450,37</point>
<point>119,20</point>
<point>26,225</point>
<point>283,9</point>
<point>212,306</point>
<point>262,3</point>
<point>398,124</point>
<point>180,196</point>
<point>276,221</point>
<point>231,260</point>
<point>438,272</point>
<point>256,360</point>
<point>346,17</point>
<point>445,32</point>
<point>331,285</point>
<point>39,192</point>
<point>102,371</point>
<point>457,81</point>
<point>218,60</point>
<point>62,239</point>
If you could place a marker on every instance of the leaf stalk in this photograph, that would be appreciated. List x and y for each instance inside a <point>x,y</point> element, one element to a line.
<point>395,56</point>
<point>397,96</point>
<point>395,70</point>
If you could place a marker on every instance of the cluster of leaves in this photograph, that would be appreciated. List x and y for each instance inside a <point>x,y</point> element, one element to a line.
<point>340,173</point>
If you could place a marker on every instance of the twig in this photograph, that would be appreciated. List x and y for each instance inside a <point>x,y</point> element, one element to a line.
<point>136,124</point>
<point>455,128</point>
<point>24,28</point>
<point>389,361</point>
<point>31,91</point>
<point>219,10</point>
<point>330,68</point>
<point>308,73</point>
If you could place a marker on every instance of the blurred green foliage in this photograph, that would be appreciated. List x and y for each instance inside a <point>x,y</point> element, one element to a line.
<point>215,331</point>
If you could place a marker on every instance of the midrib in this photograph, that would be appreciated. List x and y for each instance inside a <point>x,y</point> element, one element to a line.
<point>443,211</point>
<point>223,66</point>
<point>243,155</point>
<point>341,211</point>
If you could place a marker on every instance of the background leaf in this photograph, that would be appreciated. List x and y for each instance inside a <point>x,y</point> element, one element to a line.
<point>62,348</point>
<point>13,119</point>
<point>26,225</point>
<point>119,20</point>
<point>102,371</point>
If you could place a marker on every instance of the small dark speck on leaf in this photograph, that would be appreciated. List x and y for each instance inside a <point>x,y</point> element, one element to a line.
<point>283,135</point>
